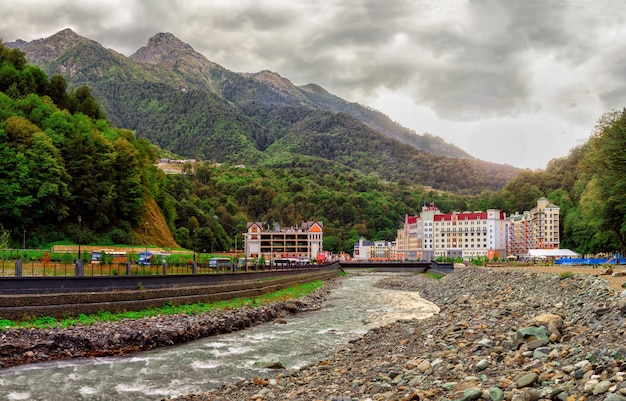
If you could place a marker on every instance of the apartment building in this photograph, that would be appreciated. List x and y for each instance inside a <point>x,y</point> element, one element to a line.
<point>465,235</point>
<point>366,250</point>
<point>415,238</point>
<point>537,228</point>
<point>304,242</point>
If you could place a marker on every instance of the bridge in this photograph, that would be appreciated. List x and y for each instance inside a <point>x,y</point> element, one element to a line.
<point>400,266</point>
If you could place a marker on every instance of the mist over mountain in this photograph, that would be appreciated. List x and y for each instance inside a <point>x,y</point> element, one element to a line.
<point>178,99</point>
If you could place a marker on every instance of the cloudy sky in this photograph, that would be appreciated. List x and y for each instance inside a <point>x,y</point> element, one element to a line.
<point>516,82</point>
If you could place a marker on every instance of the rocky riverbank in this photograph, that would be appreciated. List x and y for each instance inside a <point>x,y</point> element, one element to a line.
<point>129,335</point>
<point>500,335</point>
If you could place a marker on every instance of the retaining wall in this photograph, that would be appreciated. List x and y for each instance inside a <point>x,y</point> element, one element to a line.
<point>61,304</point>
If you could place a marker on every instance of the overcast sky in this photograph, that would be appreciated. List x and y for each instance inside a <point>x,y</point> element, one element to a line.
<point>516,82</point>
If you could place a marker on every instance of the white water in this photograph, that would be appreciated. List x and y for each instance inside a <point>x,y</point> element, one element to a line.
<point>351,310</point>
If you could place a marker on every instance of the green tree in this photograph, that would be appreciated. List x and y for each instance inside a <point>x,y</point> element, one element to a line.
<point>58,92</point>
<point>5,237</point>
<point>606,164</point>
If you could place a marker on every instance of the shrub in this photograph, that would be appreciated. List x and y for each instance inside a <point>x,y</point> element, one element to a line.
<point>565,275</point>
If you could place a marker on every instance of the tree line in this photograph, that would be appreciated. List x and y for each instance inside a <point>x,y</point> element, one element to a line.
<point>61,158</point>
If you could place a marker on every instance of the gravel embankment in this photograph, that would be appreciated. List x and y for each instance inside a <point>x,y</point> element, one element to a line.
<point>500,335</point>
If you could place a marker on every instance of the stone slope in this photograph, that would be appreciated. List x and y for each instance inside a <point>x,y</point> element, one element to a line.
<point>500,335</point>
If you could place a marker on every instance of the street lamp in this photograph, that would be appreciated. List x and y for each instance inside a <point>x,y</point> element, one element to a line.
<point>234,228</point>
<point>80,219</point>
<point>146,231</point>
<point>193,245</point>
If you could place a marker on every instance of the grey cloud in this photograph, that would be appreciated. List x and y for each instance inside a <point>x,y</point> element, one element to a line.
<point>614,94</point>
<point>473,63</point>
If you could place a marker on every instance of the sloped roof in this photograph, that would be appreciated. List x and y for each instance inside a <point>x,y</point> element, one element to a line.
<point>553,252</point>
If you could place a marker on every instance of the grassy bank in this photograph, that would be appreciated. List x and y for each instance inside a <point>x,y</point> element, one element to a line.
<point>47,322</point>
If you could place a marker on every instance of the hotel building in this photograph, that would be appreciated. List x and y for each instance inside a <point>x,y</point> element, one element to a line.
<point>466,235</point>
<point>304,242</point>
<point>470,235</point>
<point>534,229</point>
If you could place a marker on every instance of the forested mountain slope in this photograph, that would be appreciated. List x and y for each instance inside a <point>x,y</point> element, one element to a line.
<point>184,103</point>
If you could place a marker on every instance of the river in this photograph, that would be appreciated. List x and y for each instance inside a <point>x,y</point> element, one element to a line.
<point>352,309</point>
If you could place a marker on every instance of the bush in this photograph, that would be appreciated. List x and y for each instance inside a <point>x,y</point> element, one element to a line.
<point>565,275</point>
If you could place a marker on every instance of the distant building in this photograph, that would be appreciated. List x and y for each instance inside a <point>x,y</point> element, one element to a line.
<point>517,233</point>
<point>534,229</point>
<point>374,251</point>
<point>415,238</point>
<point>466,235</point>
<point>362,249</point>
<point>304,242</point>
<point>470,235</point>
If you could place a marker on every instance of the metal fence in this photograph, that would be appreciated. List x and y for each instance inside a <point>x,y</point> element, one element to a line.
<point>610,261</point>
<point>19,268</point>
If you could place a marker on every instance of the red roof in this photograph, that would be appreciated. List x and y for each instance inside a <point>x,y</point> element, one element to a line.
<point>462,216</point>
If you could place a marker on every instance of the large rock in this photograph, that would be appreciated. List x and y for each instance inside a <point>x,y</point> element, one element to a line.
<point>621,304</point>
<point>269,362</point>
<point>553,323</point>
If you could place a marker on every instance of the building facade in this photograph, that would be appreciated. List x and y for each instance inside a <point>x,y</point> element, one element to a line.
<point>470,235</point>
<point>518,225</point>
<point>534,229</point>
<point>415,240</point>
<point>466,235</point>
<point>304,242</point>
<point>366,250</point>
<point>361,250</point>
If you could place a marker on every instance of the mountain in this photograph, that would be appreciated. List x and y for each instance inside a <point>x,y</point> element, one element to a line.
<point>181,101</point>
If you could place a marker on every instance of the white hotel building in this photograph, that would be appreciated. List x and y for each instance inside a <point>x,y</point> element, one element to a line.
<point>470,235</point>
<point>466,235</point>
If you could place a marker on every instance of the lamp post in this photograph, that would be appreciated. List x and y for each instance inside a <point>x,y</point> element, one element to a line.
<point>80,219</point>
<point>193,245</point>
<point>234,228</point>
<point>24,243</point>
<point>79,262</point>
<point>146,232</point>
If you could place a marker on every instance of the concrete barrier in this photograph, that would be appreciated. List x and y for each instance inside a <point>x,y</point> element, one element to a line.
<point>73,303</point>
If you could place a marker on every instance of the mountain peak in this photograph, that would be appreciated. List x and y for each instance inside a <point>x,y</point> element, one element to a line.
<point>167,40</point>
<point>162,48</point>
<point>43,51</point>
<point>66,34</point>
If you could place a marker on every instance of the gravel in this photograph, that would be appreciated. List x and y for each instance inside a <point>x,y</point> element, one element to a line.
<point>499,335</point>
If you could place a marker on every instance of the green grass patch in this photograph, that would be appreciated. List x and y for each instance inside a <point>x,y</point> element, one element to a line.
<point>432,275</point>
<point>48,322</point>
<point>565,275</point>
